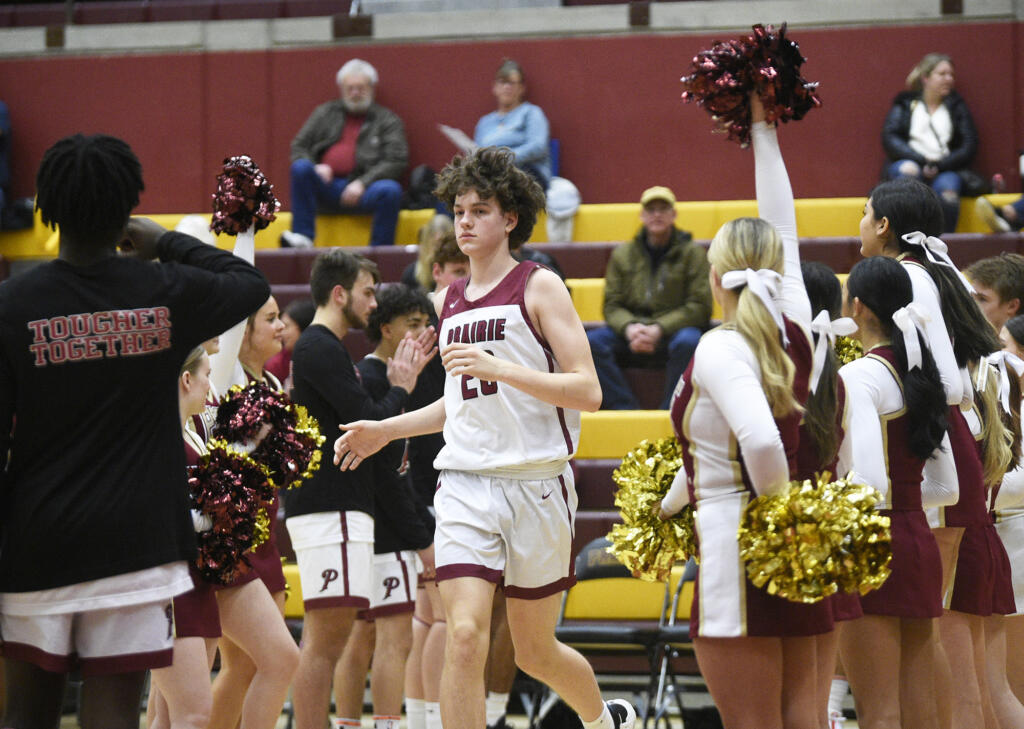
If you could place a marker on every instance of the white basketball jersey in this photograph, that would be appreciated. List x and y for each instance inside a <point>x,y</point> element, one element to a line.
<point>492,427</point>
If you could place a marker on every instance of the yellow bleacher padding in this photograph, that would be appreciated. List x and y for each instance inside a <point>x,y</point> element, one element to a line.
<point>816,217</point>
<point>613,433</point>
<point>293,607</point>
<point>588,299</point>
<point>625,598</point>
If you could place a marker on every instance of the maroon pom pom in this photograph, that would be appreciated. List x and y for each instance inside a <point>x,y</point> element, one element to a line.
<point>726,74</point>
<point>244,198</point>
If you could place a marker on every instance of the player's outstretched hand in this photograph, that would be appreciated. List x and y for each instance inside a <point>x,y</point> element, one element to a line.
<point>359,441</point>
<point>468,359</point>
<point>141,236</point>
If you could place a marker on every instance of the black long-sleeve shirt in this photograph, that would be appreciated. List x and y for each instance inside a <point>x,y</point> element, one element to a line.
<point>326,383</point>
<point>401,521</point>
<point>89,363</point>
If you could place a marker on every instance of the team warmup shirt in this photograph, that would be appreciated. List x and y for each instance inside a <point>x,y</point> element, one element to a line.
<point>89,363</point>
<point>327,385</point>
<point>493,428</point>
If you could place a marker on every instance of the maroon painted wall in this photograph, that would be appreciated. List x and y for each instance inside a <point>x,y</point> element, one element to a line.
<point>612,101</point>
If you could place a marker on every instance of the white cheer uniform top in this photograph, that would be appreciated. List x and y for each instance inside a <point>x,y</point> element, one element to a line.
<point>490,427</point>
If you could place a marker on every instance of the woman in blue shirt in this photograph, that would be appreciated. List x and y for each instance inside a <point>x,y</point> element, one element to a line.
<point>517,124</point>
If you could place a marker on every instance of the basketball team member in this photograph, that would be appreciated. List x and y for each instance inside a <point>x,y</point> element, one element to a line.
<point>96,527</point>
<point>402,527</point>
<point>330,516</point>
<point>519,371</point>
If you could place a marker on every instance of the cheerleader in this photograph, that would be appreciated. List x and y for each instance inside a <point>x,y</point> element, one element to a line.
<point>900,220</point>
<point>736,412</point>
<point>181,695</point>
<point>897,421</point>
<point>258,654</point>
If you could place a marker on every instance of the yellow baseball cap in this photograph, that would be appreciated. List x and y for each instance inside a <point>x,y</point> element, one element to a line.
<point>657,193</point>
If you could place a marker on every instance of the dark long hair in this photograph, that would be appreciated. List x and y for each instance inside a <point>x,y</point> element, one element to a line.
<point>912,206</point>
<point>883,286</point>
<point>826,294</point>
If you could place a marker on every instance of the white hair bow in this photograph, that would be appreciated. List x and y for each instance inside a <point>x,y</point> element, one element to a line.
<point>827,331</point>
<point>910,320</point>
<point>936,251</point>
<point>764,284</point>
<point>1001,360</point>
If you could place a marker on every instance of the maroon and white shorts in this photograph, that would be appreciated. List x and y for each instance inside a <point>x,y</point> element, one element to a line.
<point>513,532</point>
<point>334,551</point>
<point>394,584</point>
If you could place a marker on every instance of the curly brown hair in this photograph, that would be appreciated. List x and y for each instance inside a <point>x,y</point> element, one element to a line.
<point>492,173</point>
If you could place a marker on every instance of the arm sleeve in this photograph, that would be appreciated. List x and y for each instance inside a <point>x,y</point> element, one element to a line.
<point>536,131</point>
<point>338,386</point>
<point>224,366</point>
<point>678,494</point>
<point>862,451</point>
<point>728,379</point>
<point>926,294</point>
<point>218,287</point>
<point>775,204</point>
<point>695,310</point>
<point>940,485</point>
<point>894,136</point>
<point>616,315</point>
<point>305,141</point>
<point>394,155</point>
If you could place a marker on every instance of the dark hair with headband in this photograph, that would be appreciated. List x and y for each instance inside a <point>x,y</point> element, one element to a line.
<point>883,286</point>
<point>819,422</point>
<point>912,207</point>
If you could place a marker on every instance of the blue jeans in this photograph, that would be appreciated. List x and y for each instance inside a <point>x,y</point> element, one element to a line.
<point>611,351</point>
<point>947,186</point>
<point>382,198</point>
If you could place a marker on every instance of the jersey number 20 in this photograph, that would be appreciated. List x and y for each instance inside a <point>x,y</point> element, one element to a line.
<point>487,387</point>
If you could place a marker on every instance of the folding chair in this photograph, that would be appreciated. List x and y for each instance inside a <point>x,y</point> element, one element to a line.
<point>673,641</point>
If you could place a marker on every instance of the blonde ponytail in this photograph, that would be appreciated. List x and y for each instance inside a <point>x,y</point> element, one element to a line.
<point>996,439</point>
<point>754,243</point>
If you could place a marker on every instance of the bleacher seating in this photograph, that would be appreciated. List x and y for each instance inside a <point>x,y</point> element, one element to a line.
<point>21,15</point>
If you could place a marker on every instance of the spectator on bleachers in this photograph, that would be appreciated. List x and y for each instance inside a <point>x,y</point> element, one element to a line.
<point>347,158</point>
<point>1004,218</point>
<point>929,134</point>
<point>517,124</point>
<point>657,302</point>
<point>419,273</point>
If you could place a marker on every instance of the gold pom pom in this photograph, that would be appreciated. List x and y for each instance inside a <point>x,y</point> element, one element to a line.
<point>260,529</point>
<point>813,539</point>
<point>848,349</point>
<point>645,544</point>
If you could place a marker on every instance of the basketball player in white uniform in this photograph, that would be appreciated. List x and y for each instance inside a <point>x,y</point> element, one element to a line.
<point>519,371</point>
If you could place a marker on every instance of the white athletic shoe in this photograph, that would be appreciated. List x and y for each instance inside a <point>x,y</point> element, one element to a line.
<point>623,713</point>
<point>991,215</point>
<point>836,720</point>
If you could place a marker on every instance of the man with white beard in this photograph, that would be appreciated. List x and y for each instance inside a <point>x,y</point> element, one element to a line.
<point>347,158</point>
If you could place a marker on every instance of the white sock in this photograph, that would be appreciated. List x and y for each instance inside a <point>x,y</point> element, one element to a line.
<point>415,714</point>
<point>343,723</point>
<point>605,721</point>
<point>837,694</point>
<point>433,714</point>
<point>496,704</point>
<point>386,721</point>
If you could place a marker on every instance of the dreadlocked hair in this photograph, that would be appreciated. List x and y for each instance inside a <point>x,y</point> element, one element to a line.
<point>88,186</point>
<point>912,206</point>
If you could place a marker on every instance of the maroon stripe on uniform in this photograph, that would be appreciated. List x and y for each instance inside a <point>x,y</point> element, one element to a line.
<point>465,569</point>
<point>394,609</point>
<point>537,593</point>
<point>127,663</point>
<point>560,411</point>
<point>344,566</point>
<point>405,578</point>
<point>37,657</point>
<point>565,500</point>
<point>318,603</point>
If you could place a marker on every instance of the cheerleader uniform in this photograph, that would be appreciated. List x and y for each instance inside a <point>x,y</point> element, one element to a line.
<point>734,449</point>
<point>878,450</point>
<point>1008,513</point>
<point>196,614</point>
<point>982,583</point>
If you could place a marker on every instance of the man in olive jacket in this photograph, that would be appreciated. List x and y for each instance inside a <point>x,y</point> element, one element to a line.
<point>657,302</point>
<point>347,158</point>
